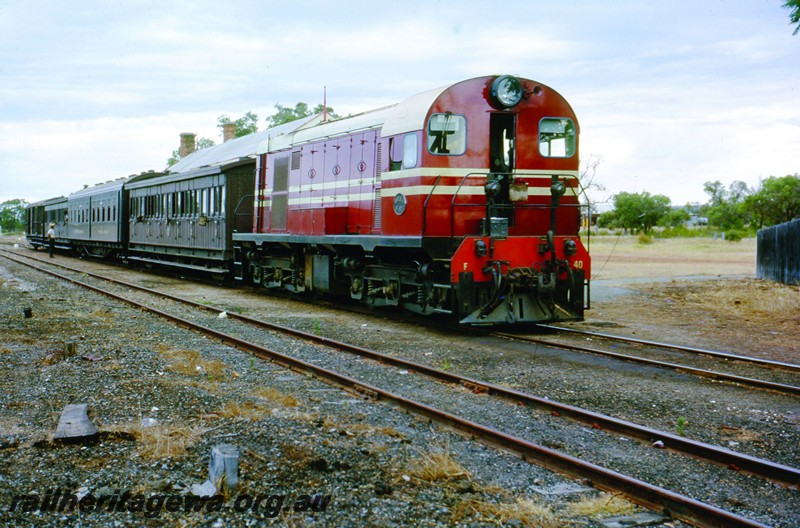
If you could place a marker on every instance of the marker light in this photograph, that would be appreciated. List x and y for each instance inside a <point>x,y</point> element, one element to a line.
<point>506,91</point>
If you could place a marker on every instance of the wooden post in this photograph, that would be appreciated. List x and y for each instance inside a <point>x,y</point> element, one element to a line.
<point>223,469</point>
<point>74,423</point>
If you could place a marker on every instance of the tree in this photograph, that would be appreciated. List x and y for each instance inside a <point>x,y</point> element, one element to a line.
<point>247,124</point>
<point>794,16</point>
<point>637,211</point>
<point>12,215</point>
<point>675,217</point>
<point>775,202</point>
<point>726,206</point>
<point>300,110</point>
<point>201,143</point>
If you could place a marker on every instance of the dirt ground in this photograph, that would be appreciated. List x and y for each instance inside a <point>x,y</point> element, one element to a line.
<point>700,292</point>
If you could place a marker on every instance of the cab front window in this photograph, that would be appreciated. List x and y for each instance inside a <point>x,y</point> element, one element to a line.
<point>447,134</point>
<point>556,137</point>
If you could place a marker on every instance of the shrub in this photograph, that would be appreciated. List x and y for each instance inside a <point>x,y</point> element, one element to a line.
<point>734,235</point>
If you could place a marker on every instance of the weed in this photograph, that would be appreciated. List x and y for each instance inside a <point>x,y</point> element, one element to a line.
<point>680,426</point>
<point>446,365</point>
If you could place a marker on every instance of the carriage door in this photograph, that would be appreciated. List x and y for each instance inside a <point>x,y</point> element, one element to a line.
<point>502,155</point>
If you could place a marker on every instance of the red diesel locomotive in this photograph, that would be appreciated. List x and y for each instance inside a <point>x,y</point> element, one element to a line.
<point>461,200</point>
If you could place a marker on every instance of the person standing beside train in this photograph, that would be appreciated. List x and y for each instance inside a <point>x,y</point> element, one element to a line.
<point>51,239</point>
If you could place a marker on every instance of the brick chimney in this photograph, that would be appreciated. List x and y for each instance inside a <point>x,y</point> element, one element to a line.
<point>188,144</point>
<point>228,132</point>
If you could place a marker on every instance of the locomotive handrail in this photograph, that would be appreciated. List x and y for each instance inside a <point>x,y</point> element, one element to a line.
<point>425,207</point>
<point>453,203</point>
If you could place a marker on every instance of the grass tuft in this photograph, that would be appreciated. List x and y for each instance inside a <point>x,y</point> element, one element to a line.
<point>528,512</point>
<point>603,505</point>
<point>275,396</point>
<point>190,363</point>
<point>440,465</point>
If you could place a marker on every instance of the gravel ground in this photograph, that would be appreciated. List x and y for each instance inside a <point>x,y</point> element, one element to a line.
<point>297,436</point>
<point>162,397</point>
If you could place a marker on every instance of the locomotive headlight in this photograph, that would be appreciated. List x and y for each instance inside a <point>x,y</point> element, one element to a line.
<point>506,91</point>
<point>570,247</point>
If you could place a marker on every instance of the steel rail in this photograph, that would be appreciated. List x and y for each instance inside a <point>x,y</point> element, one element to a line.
<point>652,497</point>
<point>680,348</point>
<point>712,374</point>
<point>773,471</point>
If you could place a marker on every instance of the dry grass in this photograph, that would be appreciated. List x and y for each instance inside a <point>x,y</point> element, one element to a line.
<point>190,363</point>
<point>624,257</point>
<point>275,396</point>
<point>243,411</point>
<point>436,466</point>
<point>603,505</point>
<point>766,301</point>
<point>528,512</point>
<point>160,440</point>
<point>361,429</point>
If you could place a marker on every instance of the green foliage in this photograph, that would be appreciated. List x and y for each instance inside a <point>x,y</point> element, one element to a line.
<point>775,202</point>
<point>609,219</point>
<point>300,110</point>
<point>247,124</point>
<point>680,426</point>
<point>675,217</point>
<point>640,211</point>
<point>726,208</point>
<point>681,231</point>
<point>734,235</point>
<point>12,215</point>
<point>644,238</point>
<point>794,16</point>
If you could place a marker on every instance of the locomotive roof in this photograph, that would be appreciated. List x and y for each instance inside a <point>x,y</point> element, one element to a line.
<point>398,118</point>
<point>231,152</point>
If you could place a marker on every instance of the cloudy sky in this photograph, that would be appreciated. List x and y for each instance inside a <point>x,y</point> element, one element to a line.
<point>669,94</point>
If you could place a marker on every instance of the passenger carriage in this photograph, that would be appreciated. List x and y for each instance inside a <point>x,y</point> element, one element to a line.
<point>39,216</point>
<point>95,227</point>
<point>185,218</point>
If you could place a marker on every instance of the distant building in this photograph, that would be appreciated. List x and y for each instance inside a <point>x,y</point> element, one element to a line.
<point>695,221</point>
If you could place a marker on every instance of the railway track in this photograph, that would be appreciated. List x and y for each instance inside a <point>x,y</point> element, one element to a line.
<point>695,361</point>
<point>648,495</point>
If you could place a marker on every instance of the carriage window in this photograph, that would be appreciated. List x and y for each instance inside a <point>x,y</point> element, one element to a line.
<point>447,134</point>
<point>556,137</point>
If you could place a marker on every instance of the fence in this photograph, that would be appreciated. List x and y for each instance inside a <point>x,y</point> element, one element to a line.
<point>778,253</point>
